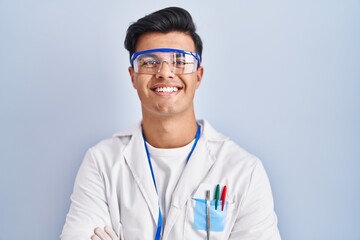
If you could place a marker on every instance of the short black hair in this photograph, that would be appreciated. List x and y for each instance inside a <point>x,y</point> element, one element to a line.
<point>165,20</point>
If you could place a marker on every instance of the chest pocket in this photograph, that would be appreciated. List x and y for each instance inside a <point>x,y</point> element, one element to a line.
<point>221,222</point>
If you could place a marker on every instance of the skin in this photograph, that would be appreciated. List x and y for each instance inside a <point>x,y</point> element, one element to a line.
<point>104,234</point>
<point>168,118</point>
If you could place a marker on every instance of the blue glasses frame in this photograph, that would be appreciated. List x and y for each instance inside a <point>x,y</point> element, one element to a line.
<point>136,54</point>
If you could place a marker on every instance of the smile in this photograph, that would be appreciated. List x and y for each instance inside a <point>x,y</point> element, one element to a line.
<point>166,89</point>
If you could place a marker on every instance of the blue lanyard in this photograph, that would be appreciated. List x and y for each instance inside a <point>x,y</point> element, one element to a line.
<point>159,225</point>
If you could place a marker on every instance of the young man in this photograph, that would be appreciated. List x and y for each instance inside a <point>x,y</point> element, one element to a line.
<point>172,177</point>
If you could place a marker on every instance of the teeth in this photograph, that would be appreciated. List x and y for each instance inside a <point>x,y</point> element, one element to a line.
<point>166,89</point>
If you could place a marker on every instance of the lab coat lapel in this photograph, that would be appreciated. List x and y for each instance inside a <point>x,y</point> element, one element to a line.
<point>195,171</point>
<point>135,156</point>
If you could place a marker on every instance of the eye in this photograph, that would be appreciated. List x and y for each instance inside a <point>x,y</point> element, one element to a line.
<point>149,62</point>
<point>180,61</point>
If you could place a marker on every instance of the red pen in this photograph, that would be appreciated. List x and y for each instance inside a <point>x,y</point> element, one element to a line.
<point>223,198</point>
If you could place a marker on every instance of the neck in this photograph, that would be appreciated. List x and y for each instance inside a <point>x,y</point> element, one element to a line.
<point>169,133</point>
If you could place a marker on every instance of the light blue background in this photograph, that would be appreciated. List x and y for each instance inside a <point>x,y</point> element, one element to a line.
<point>281,78</point>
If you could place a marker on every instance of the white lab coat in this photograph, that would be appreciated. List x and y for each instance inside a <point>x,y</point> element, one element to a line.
<point>114,187</point>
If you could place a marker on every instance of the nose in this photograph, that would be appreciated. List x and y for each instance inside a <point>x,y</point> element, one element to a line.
<point>165,70</point>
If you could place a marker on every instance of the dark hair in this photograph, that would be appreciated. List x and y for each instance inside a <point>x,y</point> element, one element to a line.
<point>165,20</point>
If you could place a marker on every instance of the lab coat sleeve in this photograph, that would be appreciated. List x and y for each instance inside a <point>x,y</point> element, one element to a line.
<point>257,219</point>
<point>88,207</point>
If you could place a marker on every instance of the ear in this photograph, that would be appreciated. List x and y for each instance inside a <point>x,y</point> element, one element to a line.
<point>132,77</point>
<point>199,74</point>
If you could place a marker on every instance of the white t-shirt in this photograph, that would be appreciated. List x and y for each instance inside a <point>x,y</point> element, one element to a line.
<point>168,164</point>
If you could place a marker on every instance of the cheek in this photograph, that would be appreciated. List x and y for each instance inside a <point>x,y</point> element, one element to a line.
<point>140,82</point>
<point>192,82</point>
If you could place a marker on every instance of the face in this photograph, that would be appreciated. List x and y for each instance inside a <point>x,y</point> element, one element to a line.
<point>165,93</point>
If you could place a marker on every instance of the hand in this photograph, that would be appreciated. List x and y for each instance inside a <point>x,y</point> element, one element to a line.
<point>104,234</point>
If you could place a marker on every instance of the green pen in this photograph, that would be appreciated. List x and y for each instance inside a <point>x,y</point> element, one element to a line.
<point>217,196</point>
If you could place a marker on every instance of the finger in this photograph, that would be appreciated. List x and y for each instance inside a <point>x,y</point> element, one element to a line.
<point>101,234</point>
<point>111,233</point>
<point>94,237</point>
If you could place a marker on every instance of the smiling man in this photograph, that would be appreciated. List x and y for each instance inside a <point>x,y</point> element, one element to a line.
<point>173,176</point>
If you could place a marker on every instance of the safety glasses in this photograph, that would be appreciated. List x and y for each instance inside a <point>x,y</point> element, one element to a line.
<point>151,61</point>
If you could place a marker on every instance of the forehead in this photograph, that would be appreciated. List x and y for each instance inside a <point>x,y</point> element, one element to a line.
<point>177,40</point>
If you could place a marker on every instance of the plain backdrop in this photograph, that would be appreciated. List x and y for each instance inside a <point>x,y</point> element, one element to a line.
<point>282,78</point>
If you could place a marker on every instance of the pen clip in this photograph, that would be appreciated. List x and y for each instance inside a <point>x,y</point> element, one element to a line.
<point>207,195</point>
<point>208,214</point>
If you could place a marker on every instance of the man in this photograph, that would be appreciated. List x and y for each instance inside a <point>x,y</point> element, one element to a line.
<point>172,177</point>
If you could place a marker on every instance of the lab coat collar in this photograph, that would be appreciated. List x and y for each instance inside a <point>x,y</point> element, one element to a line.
<point>196,169</point>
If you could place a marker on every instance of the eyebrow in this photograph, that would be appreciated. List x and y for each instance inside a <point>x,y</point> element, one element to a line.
<point>141,56</point>
<point>180,54</point>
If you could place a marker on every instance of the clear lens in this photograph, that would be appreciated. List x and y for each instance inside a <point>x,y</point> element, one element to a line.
<point>152,62</point>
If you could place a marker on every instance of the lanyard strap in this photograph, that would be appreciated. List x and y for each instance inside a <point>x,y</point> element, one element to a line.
<point>159,225</point>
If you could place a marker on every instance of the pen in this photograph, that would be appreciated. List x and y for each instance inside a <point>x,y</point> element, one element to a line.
<point>223,198</point>
<point>217,196</point>
<point>208,214</point>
